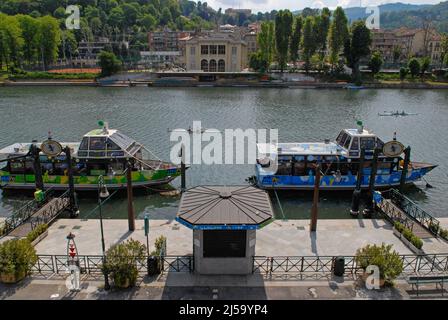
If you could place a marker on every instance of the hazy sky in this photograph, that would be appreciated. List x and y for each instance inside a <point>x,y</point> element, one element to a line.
<point>268,5</point>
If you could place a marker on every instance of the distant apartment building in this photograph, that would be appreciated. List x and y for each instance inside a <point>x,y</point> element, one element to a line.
<point>234,12</point>
<point>216,52</point>
<point>409,42</point>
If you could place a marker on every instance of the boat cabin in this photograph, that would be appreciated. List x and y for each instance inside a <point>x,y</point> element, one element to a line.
<point>341,156</point>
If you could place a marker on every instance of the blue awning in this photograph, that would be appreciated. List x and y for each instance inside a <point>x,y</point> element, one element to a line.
<point>217,226</point>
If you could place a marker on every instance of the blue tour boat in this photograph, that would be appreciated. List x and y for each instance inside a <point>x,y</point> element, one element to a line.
<point>292,165</point>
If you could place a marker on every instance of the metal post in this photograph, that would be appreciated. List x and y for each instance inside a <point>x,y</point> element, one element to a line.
<point>182,170</point>
<point>37,167</point>
<point>103,245</point>
<point>354,211</point>
<point>314,210</point>
<point>131,216</point>
<point>370,207</point>
<point>71,185</point>
<point>404,172</point>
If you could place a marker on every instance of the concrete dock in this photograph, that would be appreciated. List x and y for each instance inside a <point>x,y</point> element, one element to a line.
<point>279,238</point>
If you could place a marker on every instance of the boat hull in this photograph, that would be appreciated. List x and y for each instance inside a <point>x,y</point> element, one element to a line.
<point>328,182</point>
<point>140,179</point>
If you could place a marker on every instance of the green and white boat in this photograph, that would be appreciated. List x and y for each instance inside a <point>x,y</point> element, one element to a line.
<point>102,152</point>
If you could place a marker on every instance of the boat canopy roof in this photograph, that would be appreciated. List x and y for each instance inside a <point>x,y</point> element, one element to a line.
<point>99,143</point>
<point>348,144</point>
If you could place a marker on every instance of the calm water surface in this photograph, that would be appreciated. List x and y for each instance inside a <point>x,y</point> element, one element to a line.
<point>146,114</point>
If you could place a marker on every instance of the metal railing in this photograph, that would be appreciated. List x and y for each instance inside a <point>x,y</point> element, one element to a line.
<point>52,211</point>
<point>415,212</point>
<point>436,263</point>
<point>92,264</point>
<point>22,214</point>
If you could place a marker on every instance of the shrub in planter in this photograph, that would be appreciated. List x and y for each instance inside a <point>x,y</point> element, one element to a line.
<point>33,235</point>
<point>434,227</point>
<point>17,257</point>
<point>444,233</point>
<point>416,242</point>
<point>407,234</point>
<point>399,226</point>
<point>387,260</point>
<point>121,262</point>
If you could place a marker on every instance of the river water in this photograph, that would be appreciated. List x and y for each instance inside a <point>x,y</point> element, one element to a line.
<point>146,114</point>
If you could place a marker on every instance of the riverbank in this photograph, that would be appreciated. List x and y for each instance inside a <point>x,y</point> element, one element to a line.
<point>228,84</point>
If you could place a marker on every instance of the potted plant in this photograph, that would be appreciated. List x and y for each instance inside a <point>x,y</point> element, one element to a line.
<point>122,262</point>
<point>413,242</point>
<point>388,261</point>
<point>17,257</point>
<point>443,233</point>
<point>38,233</point>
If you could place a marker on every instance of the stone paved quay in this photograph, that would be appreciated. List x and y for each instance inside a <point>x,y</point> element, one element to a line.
<point>279,238</point>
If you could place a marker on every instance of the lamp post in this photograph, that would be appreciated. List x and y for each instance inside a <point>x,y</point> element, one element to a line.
<point>314,209</point>
<point>102,194</point>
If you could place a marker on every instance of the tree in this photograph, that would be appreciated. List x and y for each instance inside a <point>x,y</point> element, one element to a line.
<point>357,46</point>
<point>166,17</point>
<point>257,62</point>
<point>338,34</point>
<point>148,22</point>
<point>308,42</point>
<point>445,60</point>
<point>396,53</point>
<point>265,41</point>
<point>414,67</point>
<point>424,65</point>
<point>283,30</point>
<point>50,38</point>
<point>403,73</point>
<point>296,38</point>
<point>375,63</point>
<point>11,41</point>
<point>109,63</point>
<point>28,26</point>
<point>322,25</point>
<point>444,49</point>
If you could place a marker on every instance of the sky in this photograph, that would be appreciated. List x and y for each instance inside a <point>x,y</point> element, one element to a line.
<point>268,5</point>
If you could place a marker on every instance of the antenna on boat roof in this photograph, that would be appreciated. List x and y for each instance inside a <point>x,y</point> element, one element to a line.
<point>104,125</point>
<point>49,135</point>
<point>395,136</point>
<point>361,126</point>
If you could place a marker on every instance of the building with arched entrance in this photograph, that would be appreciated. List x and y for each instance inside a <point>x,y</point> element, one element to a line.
<point>216,52</point>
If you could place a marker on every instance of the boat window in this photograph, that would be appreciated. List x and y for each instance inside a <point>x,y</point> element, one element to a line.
<point>284,168</point>
<point>379,143</point>
<point>84,144</point>
<point>299,166</point>
<point>112,145</point>
<point>17,167</point>
<point>347,142</point>
<point>97,143</point>
<point>355,144</point>
<point>339,138</point>
<point>344,137</point>
<point>368,143</point>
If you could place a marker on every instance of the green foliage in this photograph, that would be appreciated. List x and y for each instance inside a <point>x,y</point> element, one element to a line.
<point>283,30</point>
<point>403,73</point>
<point>387,260</point>
<point>434,227</point>
<point>375,63</point>
<point>357,46</point>
<point>308,42</point>
<point>265,41</point>
<point>109,63</point>
<point>414,67</point>
<point>338,34</point>
<point>33,235</point>
<point>52,76</point>
<point>443,233</point>
<point>257,62</point>
<point>407,233</point>
<point>296,38</point>
<point>122,262</point>
<point>17,257</point>
<point>159,244</point>
<point>424,64</point>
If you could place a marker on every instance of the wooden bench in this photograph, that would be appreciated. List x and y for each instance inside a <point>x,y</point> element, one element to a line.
<point>438,280</point>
